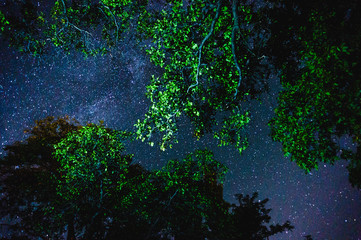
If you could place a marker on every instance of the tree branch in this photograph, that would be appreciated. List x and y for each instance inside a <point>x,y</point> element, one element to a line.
<point>115,21</point>
<point>68,22</point>
<point>235,28</point>
<point>81,30</point>
<point>204,40</point>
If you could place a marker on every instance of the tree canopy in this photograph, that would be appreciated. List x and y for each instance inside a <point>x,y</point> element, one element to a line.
<point>209,68</point>
<point>91,27</point>
<point>96,192</point>
<point>317,49</point>
<point>217,56</point>
<point>31,175</point>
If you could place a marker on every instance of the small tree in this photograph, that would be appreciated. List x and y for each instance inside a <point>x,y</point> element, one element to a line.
<point>94,171</point>
<point>188,194</point>
<point>30,175</point>
<point>249,219</point>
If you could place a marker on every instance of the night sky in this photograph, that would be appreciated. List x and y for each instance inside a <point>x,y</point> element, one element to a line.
<point>112,87</point>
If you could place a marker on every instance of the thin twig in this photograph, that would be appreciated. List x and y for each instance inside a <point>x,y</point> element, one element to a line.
<point>68,22</point>
<point>116,23</point>
<point>81,30</point>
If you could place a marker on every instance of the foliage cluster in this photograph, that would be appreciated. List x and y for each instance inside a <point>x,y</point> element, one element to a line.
<point>320,74</point>
<point>69,25</point>
<point>89,188</point>
<point>202,57</point>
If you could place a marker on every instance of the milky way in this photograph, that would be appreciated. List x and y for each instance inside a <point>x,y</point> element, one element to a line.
<point>112,87</point>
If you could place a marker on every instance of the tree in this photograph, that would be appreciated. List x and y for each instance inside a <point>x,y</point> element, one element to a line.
<point>209,66</point>
<point>37,186</point>
<point>30,178</point>
<point>95,177</point>
<point>92,27</point>
<point>94,192</point>
<point>189,193</point>
<point>217,54</point>
<point>185,201</point>
<point>213,55</point>
<point>248,219</point>
<point>192,206</point>
<point>320,102</point>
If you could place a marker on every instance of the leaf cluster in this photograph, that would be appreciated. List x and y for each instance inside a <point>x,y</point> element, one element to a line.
<point>320,100</point>
<point>195,46</point>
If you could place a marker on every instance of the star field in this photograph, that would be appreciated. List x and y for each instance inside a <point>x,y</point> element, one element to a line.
<point>112,87</point>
